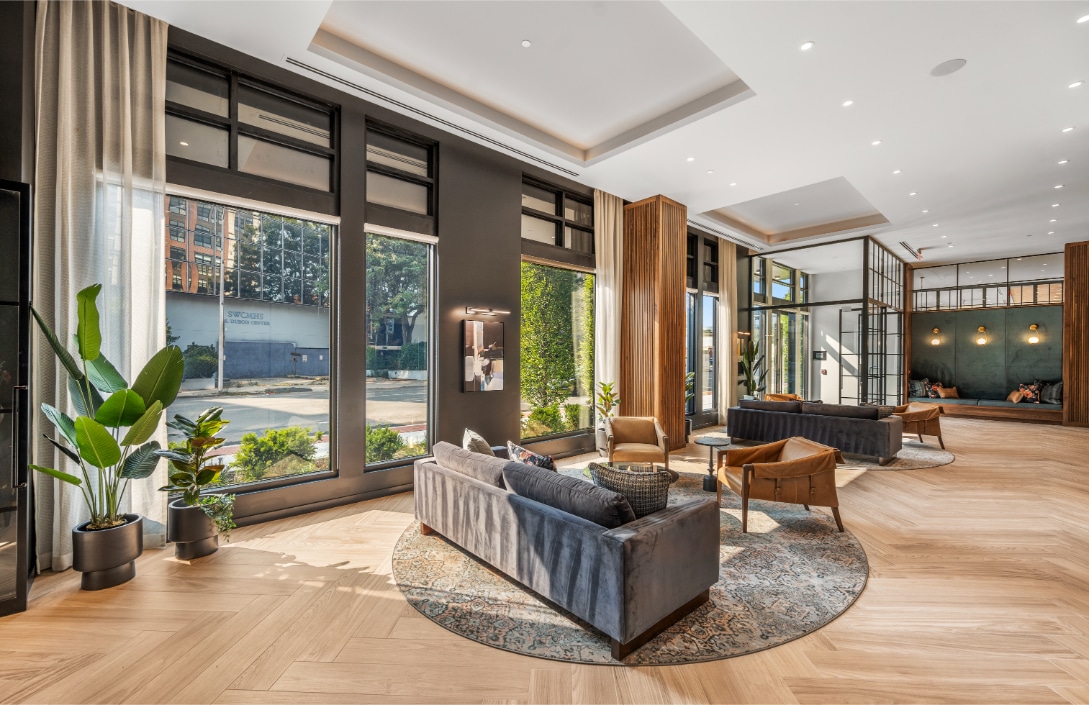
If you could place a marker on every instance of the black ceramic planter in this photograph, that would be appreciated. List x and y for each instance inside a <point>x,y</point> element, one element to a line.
<point>107,557</point>
<point>194,534</point>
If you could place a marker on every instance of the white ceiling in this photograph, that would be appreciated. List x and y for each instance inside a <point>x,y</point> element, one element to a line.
<point>979,147</point>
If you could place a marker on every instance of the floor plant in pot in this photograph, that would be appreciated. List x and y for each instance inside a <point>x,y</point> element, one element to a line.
<point>195,521</point>
<point>109,442</point>
<point>752,366</point>
<point>606,401</point>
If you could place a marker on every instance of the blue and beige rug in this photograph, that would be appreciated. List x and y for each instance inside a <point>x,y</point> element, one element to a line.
<point>790,575</point>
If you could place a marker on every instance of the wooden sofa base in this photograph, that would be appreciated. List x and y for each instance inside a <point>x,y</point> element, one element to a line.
<point>1032,413</point>
<point>621,651</point>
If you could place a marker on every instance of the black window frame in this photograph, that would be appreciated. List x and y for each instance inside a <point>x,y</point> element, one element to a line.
<point>235,128</point>
<point>559,217</point>
<point>390,216</point>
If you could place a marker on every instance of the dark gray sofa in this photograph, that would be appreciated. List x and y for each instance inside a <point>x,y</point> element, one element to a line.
<point>631,582</point>
<point>851,429</point>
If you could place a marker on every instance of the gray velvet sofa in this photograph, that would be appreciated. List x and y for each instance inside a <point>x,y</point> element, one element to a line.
<point>851,429</point>
<point>631,578</point>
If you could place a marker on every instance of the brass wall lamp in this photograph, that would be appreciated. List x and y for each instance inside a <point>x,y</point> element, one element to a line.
<point>935,339</point>
<point>1034,334</point>
<point>981,339</point>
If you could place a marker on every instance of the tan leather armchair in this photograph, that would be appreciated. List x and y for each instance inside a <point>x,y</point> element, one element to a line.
<point>922,419</point>
<point>795,470</point>
<point>782,397</point>
<point>637,439</point>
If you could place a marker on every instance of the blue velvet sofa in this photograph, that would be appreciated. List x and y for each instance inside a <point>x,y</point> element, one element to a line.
<point>851,429</point>
<point>630,578</point>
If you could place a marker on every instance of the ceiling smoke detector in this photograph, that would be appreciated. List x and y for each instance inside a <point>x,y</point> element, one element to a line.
<point>947,67</point>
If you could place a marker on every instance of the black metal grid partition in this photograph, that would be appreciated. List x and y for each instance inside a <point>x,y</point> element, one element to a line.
<point>1034,280</point>
<point>882,326</point>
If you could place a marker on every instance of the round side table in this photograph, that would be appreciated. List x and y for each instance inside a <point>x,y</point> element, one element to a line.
<point>710,483</point>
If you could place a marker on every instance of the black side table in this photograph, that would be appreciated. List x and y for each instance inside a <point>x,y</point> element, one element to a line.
<point>710,483</point>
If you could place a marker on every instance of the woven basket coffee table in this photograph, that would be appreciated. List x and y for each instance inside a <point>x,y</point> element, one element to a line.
<point>645,486</point>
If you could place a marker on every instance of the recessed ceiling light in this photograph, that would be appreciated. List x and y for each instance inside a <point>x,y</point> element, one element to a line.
<point>690,159</point>
<point>926,211</point>
<point>1018,259</point>
<point>184,144</point>
<point>1050,232</point>
<point>934,225</point>
<point>1075,84</point>
<point>1083,19</point>
<point>875,142</point>
<point>526,43</point>
<point>710,171</point>
<point>733,183</point>
<point>1067,129</point>
<point>1055,205</point>
<point>849,103</point>
<point>913,193</point>
<point>944,236</point>
<point>1059,186</point>
<point>797,204</point>
<point>896,172</point>
<point>947,67</point>
<point>1064,161</point>
<point>950,244</point>
<point>1053,220</point>
<point>806,46</point>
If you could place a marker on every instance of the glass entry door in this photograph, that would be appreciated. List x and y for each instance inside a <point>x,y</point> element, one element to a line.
<point>14,401</point>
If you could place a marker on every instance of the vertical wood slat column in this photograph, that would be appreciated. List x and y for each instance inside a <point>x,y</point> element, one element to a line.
<point>1076,335</point>
<point>652,315</point>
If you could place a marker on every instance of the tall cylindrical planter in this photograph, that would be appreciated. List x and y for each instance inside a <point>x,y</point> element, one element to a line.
<point>193,532</point>
<point>107,557</point>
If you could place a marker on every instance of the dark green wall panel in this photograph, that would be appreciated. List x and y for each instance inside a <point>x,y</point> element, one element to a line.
<point>993,370</point>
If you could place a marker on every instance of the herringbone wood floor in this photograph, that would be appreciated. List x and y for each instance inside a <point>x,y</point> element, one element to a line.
<point>979,592</point>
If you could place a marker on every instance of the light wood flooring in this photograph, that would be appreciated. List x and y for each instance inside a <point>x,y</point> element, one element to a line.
<point>978,593</point>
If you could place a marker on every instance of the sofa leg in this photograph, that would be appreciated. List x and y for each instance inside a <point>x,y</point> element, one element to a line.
<point>885,461</point>
<point>839,522</point>
<point>621,651</point>
<point>425,530</point>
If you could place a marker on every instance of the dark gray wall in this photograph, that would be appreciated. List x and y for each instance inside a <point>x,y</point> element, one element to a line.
<point>993,370</point>
<point>17,89</point>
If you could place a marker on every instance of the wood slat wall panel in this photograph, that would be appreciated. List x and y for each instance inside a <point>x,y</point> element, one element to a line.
<point>1076,336</point>
<point>652,325</point>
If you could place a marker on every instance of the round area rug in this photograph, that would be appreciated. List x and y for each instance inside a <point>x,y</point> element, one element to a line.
<point>790,575</point>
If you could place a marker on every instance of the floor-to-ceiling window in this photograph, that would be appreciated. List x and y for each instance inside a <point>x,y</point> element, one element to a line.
<point>248,302</point>
<point>702,335</point>
<point>780,326</point>
<point>398,332</point>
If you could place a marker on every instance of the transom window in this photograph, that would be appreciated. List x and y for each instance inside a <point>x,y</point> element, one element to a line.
<point>553,216</point>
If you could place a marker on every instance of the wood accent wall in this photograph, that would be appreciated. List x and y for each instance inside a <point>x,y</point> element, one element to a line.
<point>1076,335</point>
<point>652,317</point>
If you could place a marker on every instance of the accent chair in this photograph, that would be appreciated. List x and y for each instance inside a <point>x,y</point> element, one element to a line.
<point>922,419</point>
<point>636,439</point>
<point>795,470</point>
<point>782,397</point>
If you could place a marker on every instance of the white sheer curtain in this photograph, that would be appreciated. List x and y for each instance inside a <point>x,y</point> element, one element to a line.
<point>727,323</point>
<point>100,188</point>
<point>609,248</point>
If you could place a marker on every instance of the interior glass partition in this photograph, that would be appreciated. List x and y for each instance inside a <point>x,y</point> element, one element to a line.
<point>999,283</point>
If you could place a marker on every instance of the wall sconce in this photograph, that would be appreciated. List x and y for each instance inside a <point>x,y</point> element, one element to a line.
<point>982,338</point>
<point>1034,336</point>
<point>481,311</point>
<point>935,339</point>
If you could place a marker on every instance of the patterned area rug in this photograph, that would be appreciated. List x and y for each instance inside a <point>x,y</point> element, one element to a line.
<point>790,575</point>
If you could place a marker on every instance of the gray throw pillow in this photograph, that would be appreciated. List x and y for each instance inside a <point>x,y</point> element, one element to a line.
<point>488,469</point>
<point>1052,393</point>
<point>917,387</point>
<point>854,412</point>
<point>471,440</point>
<point>568,494</point>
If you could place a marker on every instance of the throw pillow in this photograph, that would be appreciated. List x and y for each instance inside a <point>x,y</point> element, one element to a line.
<point>569,494</point>
<point>487,469</point>
<point>1031,392</point>
<point>528,457</point>
<point>1052,393</point>
<point>932,390</point>
<point>1016,396</point>
<point>917,387</point>
<point>471,440</point>
<point>948,393</point>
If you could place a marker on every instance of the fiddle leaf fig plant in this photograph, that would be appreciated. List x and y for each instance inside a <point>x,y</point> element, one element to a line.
<point>192,469</point>
<point>752,365</point>
<point>111,433</point>
<point>607,400</point>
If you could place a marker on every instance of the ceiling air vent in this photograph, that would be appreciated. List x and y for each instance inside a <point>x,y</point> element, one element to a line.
<point>914,253</point>
<point>727,236</point>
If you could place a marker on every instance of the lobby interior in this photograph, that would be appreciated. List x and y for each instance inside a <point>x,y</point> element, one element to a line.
<point>370,231</point>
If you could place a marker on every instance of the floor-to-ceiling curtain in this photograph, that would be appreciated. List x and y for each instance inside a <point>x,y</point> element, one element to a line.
<point>100,185</point>
<point>727,323</point>
<point>609,248</point>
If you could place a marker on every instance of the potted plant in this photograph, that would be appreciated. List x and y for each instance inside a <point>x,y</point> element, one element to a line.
<point>607,400</point>
<point>689,395</point>
<point>752,367</point>
<point>195,521</point>
<point>111,434</point>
